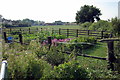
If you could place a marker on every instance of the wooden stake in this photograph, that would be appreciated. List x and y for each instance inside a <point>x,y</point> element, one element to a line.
<point>20,38</point>
<point>111,57</point>
<point>67,32</point>
<point>59,31</point>
<point>77,33</point>
<point>5,37</point>
<point>101,34</point>
<point>49,41</point>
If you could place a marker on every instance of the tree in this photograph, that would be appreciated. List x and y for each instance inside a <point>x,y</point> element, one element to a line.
<point>116,26</point>
<point>88,14</point>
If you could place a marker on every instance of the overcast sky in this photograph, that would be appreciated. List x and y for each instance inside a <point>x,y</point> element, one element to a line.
<point>52,10</point>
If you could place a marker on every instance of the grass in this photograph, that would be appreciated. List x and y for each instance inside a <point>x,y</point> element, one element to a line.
<point>100,51</point>
<point>59,26</point>
<point>50,27</point>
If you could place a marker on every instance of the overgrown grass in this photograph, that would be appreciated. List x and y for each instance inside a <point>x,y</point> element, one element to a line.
<point>98,50</point>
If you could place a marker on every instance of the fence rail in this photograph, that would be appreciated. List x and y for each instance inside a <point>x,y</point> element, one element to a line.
<point>60,31</point>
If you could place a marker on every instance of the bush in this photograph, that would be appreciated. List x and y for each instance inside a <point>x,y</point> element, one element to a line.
<point>116,26</point>
<point>69,70</point>
<point>81,43</point>
<point>57,36</point>
<point>55,57</point>
<point>25,67</point>
<point>117,53</point>
<point>103,74</point>
<point>86,24</point>
<point>101,25</point>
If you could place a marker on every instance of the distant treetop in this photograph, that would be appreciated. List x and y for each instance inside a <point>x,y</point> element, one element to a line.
<point>87,14</point>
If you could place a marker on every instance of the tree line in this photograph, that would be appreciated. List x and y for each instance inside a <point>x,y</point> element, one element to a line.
<point>20,23</point>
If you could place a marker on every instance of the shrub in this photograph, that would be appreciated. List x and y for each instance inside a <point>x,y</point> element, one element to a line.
<point>101,25</point>
<point>69,70</point>
<point>81,43</point>
<point>117,53</point>
<point>25,67</point>
<point>86,24</point>
<point>57,36</point>
<point>55,57</point>
<point>103,74</point>
<point>116,26</point>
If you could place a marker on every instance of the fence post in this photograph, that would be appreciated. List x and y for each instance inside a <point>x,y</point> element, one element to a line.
<point>10,30</point>
<point>20,38</point>
<point>67,32</point>
<point>76,32</point>
<point>41,29</point>
<point>49,41</point>
<point>52,31</point>
<point>88,32</point>
<point>102,34</point>
<point>29,30</point>
<point>111,35</point>
<point>20,30</point>
<point>37,29</point>
<point>111,57</point>
<point>5,37</point>
<point>59,31</point>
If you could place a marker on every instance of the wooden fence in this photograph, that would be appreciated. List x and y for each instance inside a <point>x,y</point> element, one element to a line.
<point>60,31</point>
<point>78,32</point>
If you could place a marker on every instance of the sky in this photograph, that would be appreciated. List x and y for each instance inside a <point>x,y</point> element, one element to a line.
<point>54,10</point>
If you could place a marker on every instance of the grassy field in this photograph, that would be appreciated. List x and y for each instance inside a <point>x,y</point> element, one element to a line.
<point>53,26</point>
<point>59,26</point>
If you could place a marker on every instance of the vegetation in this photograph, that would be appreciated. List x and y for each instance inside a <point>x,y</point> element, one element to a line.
<point>87,14</point>
<point>116,26</point>
<point>35,61</point>
<point>39,60</point>
<point>101,26</point>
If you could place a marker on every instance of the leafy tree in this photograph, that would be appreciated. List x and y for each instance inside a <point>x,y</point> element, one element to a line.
<point>101,25</point>
<point>87,14</point>
<point>116,26</point>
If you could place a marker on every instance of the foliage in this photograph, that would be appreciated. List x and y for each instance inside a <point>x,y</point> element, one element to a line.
<point>86,24</point>
<point>54,56</point>
<point>21,23</point>
<point>87,14</point>
<point>35,60</point>
<point>101,25</point>
<point>57,36</point>
<point>105,74</point>
<point>25,67</point>
<point>117,53</point>
<point>69,70</point>
<point>81,43</point>
<point>116,26</point>
<point>84,39</point>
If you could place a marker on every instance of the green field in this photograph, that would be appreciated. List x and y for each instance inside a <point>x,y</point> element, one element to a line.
<point>59,26</point>
<point>55,27</point>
